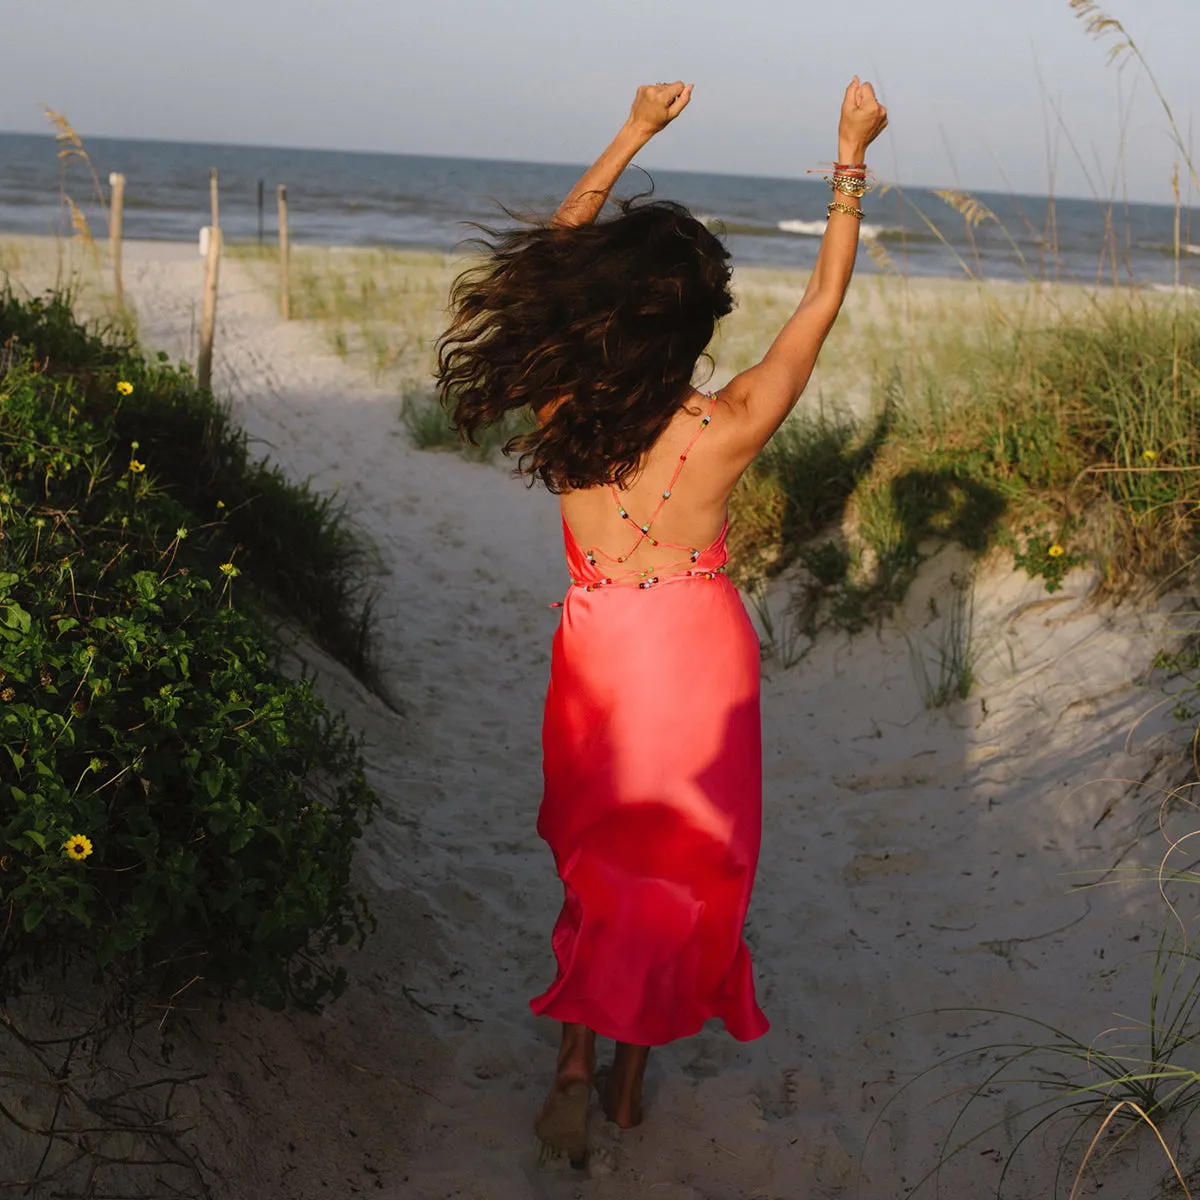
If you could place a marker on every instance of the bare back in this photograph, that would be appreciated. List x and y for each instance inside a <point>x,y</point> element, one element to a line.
<point>676,506</point>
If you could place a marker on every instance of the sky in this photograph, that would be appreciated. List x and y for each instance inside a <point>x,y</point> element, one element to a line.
<point>1000,95</point>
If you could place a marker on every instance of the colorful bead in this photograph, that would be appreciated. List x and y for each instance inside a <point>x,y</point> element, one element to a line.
<point>643,578</point>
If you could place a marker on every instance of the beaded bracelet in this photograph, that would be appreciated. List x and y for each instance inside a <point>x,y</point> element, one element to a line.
<point>848,209</point>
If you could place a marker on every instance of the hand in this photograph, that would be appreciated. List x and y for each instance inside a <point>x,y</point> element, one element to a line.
<point>863,120</point>
<point>656,105</point>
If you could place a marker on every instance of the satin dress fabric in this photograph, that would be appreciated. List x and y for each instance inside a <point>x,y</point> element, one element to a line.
<point>652,804</point>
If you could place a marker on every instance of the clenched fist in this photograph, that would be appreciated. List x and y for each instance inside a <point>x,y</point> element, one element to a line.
<point>863,120</point>
<point>656,105</point>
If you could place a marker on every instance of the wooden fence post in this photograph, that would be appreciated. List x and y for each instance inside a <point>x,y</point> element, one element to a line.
<point>213,192</point>
<point>285,307</point>
<point>260,212</point>
<point>208,317</point>
<point>116,231</point>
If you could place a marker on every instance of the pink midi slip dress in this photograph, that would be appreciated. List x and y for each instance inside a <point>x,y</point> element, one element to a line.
<point>652,802</point>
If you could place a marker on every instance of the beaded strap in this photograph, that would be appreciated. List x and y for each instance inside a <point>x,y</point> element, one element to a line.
<point>644,529</point>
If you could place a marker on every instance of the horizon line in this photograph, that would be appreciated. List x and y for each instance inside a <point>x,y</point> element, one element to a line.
<point>204,143</point>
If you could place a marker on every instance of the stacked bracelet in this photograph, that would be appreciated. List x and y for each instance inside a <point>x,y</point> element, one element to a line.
<point>849,185</point>
<point>848,179</point>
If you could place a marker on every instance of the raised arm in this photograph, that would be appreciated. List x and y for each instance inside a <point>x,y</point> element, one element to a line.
<point>766,393</point>
<point>654,107</point>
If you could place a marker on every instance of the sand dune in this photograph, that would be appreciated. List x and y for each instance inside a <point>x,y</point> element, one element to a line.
<point>913,860</point>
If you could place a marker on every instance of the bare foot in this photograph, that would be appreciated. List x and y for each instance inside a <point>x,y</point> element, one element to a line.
<point>562,1125</point>
<point>621,1106</point>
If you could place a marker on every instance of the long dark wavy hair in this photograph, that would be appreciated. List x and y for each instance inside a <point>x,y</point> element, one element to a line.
<point>607,319</point>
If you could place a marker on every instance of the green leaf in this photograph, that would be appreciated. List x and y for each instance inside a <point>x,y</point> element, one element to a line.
<point>14,617</point>
<point>146,583</point>
<point>241,839</point>
<point>31,918</point>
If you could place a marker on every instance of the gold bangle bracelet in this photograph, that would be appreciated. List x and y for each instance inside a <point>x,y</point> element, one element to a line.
<point>848,209</point>
<point>854,188</point>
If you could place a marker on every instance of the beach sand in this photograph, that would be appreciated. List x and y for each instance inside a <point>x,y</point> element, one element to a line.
<point>912,860</point>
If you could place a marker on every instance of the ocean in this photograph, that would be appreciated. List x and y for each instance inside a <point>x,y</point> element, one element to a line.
<point>398,200</point>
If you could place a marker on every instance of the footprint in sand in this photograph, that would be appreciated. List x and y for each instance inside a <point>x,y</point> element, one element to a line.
<point>803,1089</point>
<point>606,1153</point>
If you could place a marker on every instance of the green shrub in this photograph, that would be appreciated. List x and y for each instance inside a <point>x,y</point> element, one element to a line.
<point>167,795</point>
<point>1077,443</point>
<point>428,425</point>
<point>1088,425</point>
<point>797,486</point>
<point>300,554</point>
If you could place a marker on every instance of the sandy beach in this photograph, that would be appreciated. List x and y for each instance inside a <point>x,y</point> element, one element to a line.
<point>918,868</point>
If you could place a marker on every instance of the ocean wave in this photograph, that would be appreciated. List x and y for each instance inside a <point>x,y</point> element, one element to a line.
<point>796,228</point>
<point>1166,249</point>
<point>732,227</point>
<point>817,229</point>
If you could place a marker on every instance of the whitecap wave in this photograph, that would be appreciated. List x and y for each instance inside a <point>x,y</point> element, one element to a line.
<point>817,229</point>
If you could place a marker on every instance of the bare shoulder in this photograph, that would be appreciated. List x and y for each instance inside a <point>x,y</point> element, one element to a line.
<point>745,429</point>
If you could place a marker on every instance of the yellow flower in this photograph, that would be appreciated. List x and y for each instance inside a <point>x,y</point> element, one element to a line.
<point>230,569</point>
<point>1149,455</point>
<point>77,847</point>
<point>220,503</point>
<point>181,532</point>
<point>1056,551</point>
<point>125,388</point>
<point>136,467</point>
<point>7,694</point>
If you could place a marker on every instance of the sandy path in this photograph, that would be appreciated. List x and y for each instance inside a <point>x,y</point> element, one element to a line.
<point>911,860</point>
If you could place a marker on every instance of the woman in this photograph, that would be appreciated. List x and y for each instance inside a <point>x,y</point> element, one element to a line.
<point>651,739</point>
